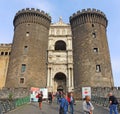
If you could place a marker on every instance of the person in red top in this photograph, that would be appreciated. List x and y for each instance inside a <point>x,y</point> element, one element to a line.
<point>68,97</point>
<point>40,96</point>
<point>71,102</point>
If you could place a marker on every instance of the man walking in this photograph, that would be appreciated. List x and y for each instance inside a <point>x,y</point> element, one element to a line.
<point>113,104</point>
<point>87,106</point>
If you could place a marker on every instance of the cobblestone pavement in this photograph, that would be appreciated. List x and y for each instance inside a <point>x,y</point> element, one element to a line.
<point>47,108</point>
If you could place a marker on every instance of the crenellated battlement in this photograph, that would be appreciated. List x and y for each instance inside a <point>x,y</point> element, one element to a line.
<point>89,10</point>
<point>33,10</point>
<point>88,15</point>
<point>31,15</point>
<point>5,45</point>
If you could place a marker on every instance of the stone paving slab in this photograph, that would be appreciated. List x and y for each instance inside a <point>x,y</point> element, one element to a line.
<point>47,108</point>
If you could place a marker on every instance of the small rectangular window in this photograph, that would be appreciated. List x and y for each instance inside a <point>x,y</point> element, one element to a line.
<point>21,80</point>
<point>93,25</point>
<point>98,68</point>
<point>94,35</point>
<point>25,48</point>
<point>95,50</point>
<point>23,68</point>
<point>27,34</point>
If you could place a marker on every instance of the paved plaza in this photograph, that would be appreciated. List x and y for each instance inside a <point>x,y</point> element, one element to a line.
<point>32,108</point>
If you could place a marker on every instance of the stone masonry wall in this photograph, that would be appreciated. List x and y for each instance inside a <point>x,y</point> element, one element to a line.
<point>5,50</point>
<point>15,92</point>
<point>92,66</point>
<point>27,66</point>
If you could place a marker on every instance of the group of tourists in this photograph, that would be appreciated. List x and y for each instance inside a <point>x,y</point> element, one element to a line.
<point>67,101</point>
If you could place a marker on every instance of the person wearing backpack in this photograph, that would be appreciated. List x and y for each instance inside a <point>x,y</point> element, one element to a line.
<point>63,105</point>
<point>113,104</point>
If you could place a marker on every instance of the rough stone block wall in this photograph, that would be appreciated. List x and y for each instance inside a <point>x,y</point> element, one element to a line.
<point>98,92</point>
<point>15,92</point>
<point>90,49</point>
<point>29,49</point>
<point>5,50</point>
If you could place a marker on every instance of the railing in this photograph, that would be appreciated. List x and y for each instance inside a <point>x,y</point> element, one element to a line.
<point>103,101</point>
<point>7,105</point>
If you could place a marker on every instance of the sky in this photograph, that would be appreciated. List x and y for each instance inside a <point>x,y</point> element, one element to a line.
<point>64,9</point>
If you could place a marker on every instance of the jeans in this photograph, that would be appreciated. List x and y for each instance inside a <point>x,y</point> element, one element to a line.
<point>57,100</point>
<point>113,108</point>
<point>65,112</point>
<point>71,108</point>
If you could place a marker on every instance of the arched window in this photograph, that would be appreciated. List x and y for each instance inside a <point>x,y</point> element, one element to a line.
<point>6,53</point>
<point>60,45</point>
<point>2,53</point>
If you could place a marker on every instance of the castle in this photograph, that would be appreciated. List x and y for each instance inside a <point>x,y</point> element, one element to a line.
<point>57,56</point>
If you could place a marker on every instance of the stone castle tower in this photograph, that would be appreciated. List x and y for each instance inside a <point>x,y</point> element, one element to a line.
<point>29,50</point>
<point>59,56</point>
<point>92,66</point>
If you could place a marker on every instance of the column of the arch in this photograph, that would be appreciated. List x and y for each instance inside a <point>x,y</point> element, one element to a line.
<point>51,79</point>
<point>69,78</point>
<point>48,77</point>
<point>72,78</point>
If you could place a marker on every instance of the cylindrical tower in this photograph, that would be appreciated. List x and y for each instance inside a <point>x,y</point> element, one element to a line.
<point>92,65</point>
<point>27,66</point>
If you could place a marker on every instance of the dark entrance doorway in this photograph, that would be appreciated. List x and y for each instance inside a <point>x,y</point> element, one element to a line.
<point>60,82</point>
<point>60,88</point>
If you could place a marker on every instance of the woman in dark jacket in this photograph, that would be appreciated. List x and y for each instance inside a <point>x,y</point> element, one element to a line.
<point>40,96</point>
<point>50,97</point>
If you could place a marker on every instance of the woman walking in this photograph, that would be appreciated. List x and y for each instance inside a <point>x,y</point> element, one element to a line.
<point>71,102</point>
<point>40,96</point>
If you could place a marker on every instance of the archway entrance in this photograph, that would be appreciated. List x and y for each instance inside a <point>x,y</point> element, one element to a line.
<point>60,82</point>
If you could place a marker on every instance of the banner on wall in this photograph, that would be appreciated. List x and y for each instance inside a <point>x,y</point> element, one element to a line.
<point>86,91</point>
<point>34,92</point>
<point>45,92</point>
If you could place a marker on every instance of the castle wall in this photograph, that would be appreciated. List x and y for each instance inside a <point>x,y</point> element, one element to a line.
<point>28,58</point>
<point>35,62</point>
<point>92,66</point>
<point>5,50</point>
